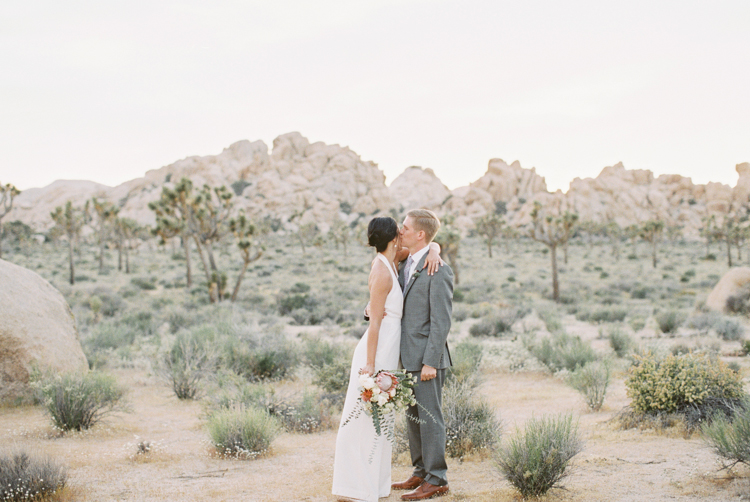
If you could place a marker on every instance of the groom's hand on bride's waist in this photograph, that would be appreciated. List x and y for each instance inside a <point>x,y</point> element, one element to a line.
<point>428,373</point>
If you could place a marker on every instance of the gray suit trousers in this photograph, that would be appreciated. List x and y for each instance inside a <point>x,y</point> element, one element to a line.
<point>427,438</point>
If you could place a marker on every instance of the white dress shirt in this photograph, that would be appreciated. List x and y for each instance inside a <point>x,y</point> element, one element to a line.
<point>415,261</point>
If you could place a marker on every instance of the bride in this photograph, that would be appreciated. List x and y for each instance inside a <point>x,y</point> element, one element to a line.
<point>362,464</point>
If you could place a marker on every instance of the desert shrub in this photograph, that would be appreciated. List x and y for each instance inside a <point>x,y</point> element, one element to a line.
<point>497,323</point>
<point>77,401</point>
<point>745,347</point>
<point>692,385</point>
<point>190,359</point>
<point>538,458</point>
<point>309,414</point>
<point>466,356</point>
<point>704,322</point>
<point>145,283</point>
<point>141,322</point>
<point>470,423</point>
<point>620,341</point>
<point>729,329</point>
<point>551,318</point>
<point>460,313</point>
<point>289,302</point>
<point>601,315</point>
<point>242,432</point>
<point>317,352</point>
<point>591,381</point>
<point>260,356</point>
<point>562,351</point>
<point>27,478</point>
<point>108,336</point>
<point>729,437</point>
<point>669,321</point>
<point>111,302</point>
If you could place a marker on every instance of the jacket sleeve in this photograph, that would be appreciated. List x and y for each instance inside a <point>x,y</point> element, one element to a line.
<point>441,306</point>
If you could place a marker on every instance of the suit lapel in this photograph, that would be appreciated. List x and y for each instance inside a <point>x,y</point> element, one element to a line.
<point>420,264</point>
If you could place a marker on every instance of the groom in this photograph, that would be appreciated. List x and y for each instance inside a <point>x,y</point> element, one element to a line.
<point>426,321</point>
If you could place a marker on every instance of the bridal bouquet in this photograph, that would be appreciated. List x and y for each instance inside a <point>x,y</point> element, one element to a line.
<point>380,395</point>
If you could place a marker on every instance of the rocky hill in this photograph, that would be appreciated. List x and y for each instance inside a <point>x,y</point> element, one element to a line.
<point>321,183</point>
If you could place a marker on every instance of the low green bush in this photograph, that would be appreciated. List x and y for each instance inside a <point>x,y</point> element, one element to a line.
<point>466,356</point>
<point>729,437</point>
<point>620,341</point>
<point>145,283</point>
<point>602,315</point>
<point>538,458</point>
<point>739,303</point>
<point>189,361</point>
<point>27,478</point>
<point>729,329</point>
<point>562,351</point>
<point>242,432</point>
<point>669,321</point>
<point>498,323</point>
<point>692,385</point>
<point>591,381</point>
<point>77,401</point>
<point>470,422</point>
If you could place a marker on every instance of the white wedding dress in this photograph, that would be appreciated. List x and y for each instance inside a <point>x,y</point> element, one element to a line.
<point>362,464</point>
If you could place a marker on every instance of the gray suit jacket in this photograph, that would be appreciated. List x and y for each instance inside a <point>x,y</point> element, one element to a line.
<point>428,302</point>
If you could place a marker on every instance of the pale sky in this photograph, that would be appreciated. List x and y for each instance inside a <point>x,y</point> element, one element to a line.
<point>105,90</point>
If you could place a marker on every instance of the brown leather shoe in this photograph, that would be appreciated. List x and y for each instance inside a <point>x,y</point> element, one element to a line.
<point>425,491</point>
<point>410,484</point>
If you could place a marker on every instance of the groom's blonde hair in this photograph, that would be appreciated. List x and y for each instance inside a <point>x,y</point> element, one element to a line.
<point>425,220</point>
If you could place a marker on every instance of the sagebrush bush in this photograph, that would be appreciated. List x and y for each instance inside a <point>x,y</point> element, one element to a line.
<point>538,458</point>
<point>77,401</point>
<point>602,315</point>
<point>257,356</point>
<point>562,351</point>
<point>620,341</point>
<point>729,437</point>
<point>466,357</point>
<point>189,361</point>
<point>470,422</point>
<point>27,478</point>
<point>551,318</point>
<point>242,432</point>
<point>704,322</point>
<point>739,303</point>
<point>497,323</point>
<point>669,321</point>
<point>729,329</point>
<point>591,381</point>
<point>680,383</point>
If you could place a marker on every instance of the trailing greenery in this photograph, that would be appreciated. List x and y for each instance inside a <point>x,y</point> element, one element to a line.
<point>538,458</point>
<point>77,401</point>
<point>242,432</point>
<point>27,478</point>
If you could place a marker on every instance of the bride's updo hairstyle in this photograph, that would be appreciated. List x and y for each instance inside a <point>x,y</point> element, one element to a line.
<point>381,231</point>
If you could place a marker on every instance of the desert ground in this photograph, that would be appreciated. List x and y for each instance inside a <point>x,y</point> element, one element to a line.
<point>103,462</point>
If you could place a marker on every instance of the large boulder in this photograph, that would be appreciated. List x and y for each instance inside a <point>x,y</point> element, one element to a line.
<point>37,329</point>
<point>732,282</point>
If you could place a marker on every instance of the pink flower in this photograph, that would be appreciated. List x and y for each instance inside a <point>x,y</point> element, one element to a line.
<point>386,381</point>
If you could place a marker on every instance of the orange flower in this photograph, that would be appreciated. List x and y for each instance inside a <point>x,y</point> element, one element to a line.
<point>367,395</point>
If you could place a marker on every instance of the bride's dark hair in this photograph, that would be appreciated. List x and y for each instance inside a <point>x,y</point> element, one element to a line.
<point>381,231</point>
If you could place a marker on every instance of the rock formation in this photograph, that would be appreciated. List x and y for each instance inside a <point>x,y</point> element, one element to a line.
<point>37,329</point>
<point>300,182</point>
<point>730,284</point>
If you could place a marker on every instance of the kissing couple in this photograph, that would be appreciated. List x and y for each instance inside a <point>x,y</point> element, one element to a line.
<point>410,317</point>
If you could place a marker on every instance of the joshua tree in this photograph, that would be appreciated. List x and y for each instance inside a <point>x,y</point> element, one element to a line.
<point>708,231</point>
<point>568,225</point>
<point>552,231</point>
<point>632,232</point>
<point>173,212</point>
<point>490,227</point>
<point>306,233</point>
<point>69,221</point>
<point>340,233</point>
<point>101,215</point>
<point>614,232</point>
<point>125,229</point>
<point>244,231</point>
<point>7,193</point>
<point>651,232</point>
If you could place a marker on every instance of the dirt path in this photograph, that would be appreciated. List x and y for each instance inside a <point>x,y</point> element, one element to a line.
<point>615,465</point>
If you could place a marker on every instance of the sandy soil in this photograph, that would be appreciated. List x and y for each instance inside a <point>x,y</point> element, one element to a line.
<point>103,465</point>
